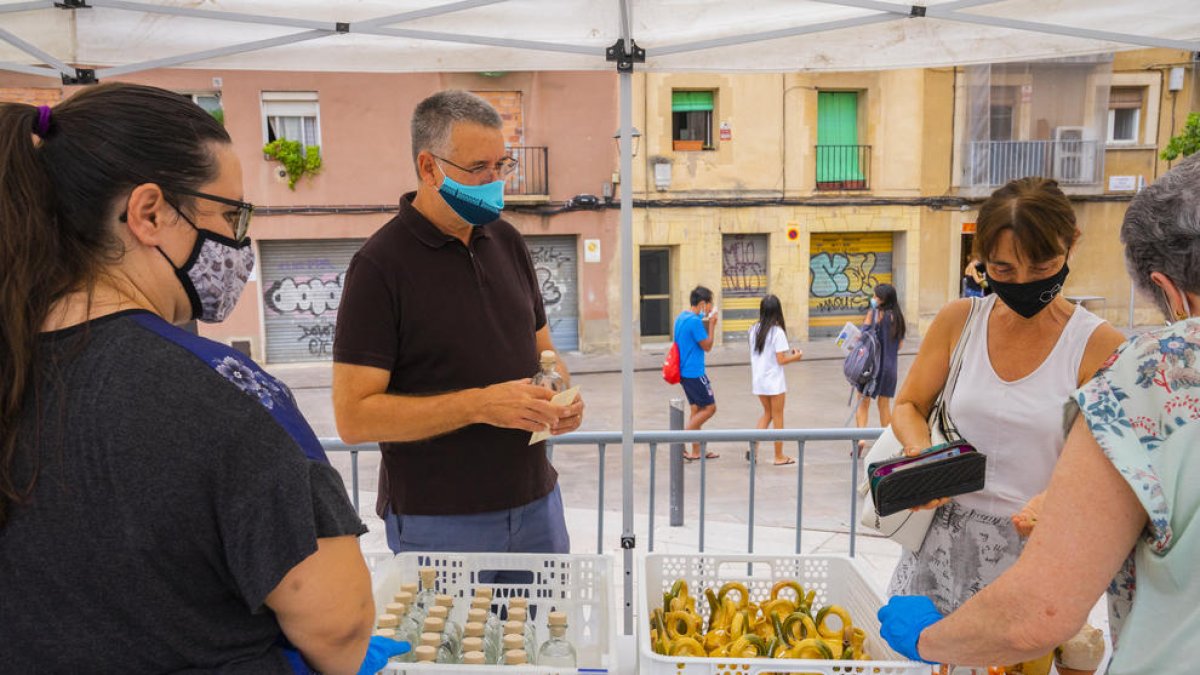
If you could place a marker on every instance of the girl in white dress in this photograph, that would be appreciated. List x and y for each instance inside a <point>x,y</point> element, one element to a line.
<point>769,352</point>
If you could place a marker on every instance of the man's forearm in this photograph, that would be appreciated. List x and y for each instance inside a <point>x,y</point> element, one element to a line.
<point>402,418</point>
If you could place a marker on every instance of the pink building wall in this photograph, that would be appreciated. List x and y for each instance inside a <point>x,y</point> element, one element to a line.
<point>366,155</point>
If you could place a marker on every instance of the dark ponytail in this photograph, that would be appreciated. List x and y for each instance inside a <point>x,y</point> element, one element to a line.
<point>63,176</point>
<point>888,302</point>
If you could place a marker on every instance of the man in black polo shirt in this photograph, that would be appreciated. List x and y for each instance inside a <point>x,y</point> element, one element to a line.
<point>440,326</point>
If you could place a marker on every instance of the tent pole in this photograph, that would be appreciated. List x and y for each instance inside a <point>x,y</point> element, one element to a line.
<point>36,52</point>
<point>625,101</point>
<point>626,95</point>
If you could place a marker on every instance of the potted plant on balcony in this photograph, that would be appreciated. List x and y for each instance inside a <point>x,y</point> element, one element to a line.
<point>297,162</point>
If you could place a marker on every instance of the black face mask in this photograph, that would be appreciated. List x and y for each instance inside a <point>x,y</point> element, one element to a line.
<point>1030,298</point>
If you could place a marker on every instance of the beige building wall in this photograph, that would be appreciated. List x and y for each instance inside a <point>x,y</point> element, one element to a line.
<point>762,180</point>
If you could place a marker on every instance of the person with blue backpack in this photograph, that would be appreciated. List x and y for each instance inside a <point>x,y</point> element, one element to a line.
<point>885,321</point>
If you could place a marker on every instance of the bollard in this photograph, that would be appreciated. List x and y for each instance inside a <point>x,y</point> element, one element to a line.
<point>676,424</point>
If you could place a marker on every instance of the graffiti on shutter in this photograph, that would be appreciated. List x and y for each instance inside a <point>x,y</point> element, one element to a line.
<point>302,288</point>
<point>743,282</point>
<point>844,269</point>
<point>555,263</point>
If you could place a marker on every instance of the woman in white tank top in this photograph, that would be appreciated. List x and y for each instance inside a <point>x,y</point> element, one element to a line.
<point>1028,352</point>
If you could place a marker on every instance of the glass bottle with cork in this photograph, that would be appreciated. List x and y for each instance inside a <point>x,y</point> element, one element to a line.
<point>450,629</point>
<point>521,615</point>
<point>428,596</point>
<point>512,642</point>
<point>548,376</point>
<point>557,651</point>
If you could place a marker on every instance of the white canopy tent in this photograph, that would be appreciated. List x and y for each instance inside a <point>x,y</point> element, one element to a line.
<point>87,40</point>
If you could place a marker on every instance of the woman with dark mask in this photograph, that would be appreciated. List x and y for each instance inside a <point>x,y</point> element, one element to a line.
<point>1128,480</point>
<point>1025,355</point>
<point>164,507</point>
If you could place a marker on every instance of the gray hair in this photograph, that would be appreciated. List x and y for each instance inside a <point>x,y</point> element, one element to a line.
<point>433,118</point>
<point>1161,232</point>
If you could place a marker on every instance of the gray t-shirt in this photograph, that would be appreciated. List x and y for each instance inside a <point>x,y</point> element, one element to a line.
<point>176,484</point>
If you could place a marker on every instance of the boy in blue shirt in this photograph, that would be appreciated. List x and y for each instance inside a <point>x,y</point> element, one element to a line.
<point>694,336</point>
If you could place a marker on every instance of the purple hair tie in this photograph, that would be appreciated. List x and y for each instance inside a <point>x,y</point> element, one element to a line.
<point>43,121</point>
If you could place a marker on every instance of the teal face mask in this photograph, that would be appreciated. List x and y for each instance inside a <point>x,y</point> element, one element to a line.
<point>476,204</point>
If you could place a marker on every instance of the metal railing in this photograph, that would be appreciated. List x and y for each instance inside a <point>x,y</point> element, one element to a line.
<point>532,176</point>
<point>1070,162</point>
<point>843,167</point>
<point>677,440</point>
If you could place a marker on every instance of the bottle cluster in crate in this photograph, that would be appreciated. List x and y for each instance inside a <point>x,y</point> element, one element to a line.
<point>780,627</point>
<point>421,616</point>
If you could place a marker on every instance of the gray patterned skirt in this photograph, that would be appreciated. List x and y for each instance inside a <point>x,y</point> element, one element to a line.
<point>963,551</point>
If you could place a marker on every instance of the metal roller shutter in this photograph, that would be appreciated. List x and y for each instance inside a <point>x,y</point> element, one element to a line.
<point>743,282</point>
<point>844,269</point>
<point>302,287</point>
<point>555,261</point>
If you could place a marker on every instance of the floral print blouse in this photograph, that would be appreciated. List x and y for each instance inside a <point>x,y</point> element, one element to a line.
<point>1143,409</point>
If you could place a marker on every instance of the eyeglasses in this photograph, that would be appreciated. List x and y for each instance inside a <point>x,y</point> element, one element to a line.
<point>245,210</point>
<point>502,169</point>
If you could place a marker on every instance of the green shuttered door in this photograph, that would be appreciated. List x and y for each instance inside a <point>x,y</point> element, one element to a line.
<point>837,137</point>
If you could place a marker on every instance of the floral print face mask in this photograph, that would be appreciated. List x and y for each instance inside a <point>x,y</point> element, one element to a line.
<point>215,273</point>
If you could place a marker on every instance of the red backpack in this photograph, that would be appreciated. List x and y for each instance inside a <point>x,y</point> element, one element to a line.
<point>670,367</point>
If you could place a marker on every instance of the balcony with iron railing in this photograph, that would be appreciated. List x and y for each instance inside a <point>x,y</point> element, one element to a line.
<point>843,167</point>
<point>531,180</point>
<point>1070,162</point>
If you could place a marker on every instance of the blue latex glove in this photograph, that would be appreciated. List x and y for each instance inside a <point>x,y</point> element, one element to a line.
<point>903,618</point>
<point>379,651</point>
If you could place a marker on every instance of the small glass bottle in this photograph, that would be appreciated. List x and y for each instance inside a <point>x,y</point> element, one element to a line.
<point>557,651</point>
<point>428,596</point>
<point>451,630</point>
<point>426,654</point>
<point>474,659</point>
<point>407,630</point>
<point>548,376</point>
<point>520,614</point>
<point>390,633</point>
<point>472,644</point>
<point>447,650</point>
<point>453,627</point>
<point>513,642</point>
<point>392,608</point>
<point>515,657</point>
<point>388,625</point>
<point>491,622</point>
<point>387,620</point>
<point>476,626</point>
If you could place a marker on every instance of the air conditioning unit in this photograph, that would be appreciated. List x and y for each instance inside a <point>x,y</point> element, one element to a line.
<point>1074,158</point>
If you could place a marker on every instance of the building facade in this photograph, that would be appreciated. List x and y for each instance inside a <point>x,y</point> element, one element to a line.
<point>816,187</point>
<point>558,125</point>
<point>812,186</point>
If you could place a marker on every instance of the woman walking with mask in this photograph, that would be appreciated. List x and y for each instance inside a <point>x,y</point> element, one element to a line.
<point>158,487</point>
<point>1024,357</point>
<point>888,321</point>
<point>769,353</point>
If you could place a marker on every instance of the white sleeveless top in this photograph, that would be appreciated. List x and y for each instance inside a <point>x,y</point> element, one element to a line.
<point>1020,425</point>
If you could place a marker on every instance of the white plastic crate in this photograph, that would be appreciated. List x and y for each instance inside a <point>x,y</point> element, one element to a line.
<point>576,584</point>
<point>836,579</point>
